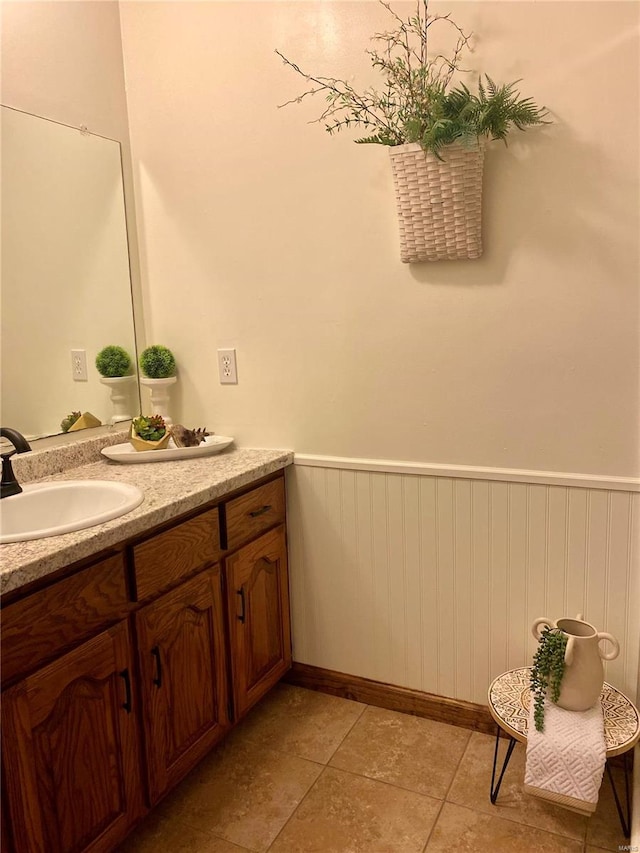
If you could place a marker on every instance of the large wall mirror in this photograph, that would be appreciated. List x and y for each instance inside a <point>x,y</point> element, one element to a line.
<point>66,286</point>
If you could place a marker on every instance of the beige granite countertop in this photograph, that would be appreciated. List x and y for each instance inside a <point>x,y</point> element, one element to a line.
<point>170,489</point>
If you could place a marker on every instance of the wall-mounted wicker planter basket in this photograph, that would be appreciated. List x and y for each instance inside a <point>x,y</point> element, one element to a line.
<point>439,201</point>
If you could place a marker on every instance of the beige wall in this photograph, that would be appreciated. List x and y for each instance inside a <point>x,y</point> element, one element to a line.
<point>63,61</point>
<point>260,231</point>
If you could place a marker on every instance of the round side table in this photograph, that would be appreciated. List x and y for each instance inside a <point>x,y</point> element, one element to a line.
<point>509,703</point>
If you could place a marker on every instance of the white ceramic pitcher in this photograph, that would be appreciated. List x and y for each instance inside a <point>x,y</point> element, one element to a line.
<point>583,674</point>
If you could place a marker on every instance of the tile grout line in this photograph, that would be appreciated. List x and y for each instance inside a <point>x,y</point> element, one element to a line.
<point>383,782</point>
<point>181,822</point>
<point>435,823</point>
<point>209,834</point>
<point>444,799</point>
<point>525,826</point>
<point>291,816</point>
<point>351,728</point>
<point>315,781</point>
<point>503,816</point>
<point>323,767</point>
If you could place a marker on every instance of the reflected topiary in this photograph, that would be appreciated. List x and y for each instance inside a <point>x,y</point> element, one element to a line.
<point>113,362</point>
<point>157,362</point>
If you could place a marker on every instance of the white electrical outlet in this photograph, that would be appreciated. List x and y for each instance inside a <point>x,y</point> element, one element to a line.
<point>79,365</point>
<point>227,367</point>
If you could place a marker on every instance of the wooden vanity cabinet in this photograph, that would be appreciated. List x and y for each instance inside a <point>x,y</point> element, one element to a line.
<point>259,628</point>
<point>132,663</point>
<point>71,752</point>
<point>183,681</point>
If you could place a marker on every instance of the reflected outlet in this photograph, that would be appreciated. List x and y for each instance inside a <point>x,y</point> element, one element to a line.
<point>79,365</point>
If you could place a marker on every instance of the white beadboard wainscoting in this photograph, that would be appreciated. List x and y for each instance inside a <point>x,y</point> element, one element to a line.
<point>429,577</point>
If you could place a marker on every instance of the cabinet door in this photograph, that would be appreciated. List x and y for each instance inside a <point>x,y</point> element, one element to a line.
<point>182,666</point>
<point>71,752</point>
<point>258,601</point>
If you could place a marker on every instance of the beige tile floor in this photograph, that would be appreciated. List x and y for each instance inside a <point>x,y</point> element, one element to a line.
<point>310,773</point>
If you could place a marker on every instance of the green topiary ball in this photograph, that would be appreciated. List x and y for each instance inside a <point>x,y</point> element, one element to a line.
<point>113,361</point>
<point>157,362</point>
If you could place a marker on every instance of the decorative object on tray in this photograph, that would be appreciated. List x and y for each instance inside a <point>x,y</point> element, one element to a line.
<point>149,433</point>
<point>436,129</point>
<point>183,437</point>
<point>115,368</point>
<point>575,676</point>
<point>158,366</point>
<point>126,454</point>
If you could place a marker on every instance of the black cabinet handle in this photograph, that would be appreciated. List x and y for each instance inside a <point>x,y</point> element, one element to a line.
<point>127,690</point>
<point>256,512</point>
<point>155,651</point>
<point>240,592</point>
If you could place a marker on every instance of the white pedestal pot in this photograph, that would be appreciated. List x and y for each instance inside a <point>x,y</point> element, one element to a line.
<point>583,674</point>
<point>120,387</point>
<point>159,389</point>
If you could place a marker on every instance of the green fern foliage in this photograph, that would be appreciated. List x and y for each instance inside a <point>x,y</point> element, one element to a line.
<point>419,102</point>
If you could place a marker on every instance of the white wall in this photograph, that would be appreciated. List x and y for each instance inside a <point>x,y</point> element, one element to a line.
<point>433,581</point>
<point>260,231</point>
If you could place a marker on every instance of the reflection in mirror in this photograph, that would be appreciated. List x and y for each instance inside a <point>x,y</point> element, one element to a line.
<point>66,289</point>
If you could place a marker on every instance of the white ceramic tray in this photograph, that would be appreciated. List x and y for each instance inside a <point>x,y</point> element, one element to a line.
<point>127,454</point>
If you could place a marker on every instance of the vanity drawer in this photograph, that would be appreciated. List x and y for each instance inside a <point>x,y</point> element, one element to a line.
<point>169,557</point>
<point>52,620</point>
<point>255,511</point>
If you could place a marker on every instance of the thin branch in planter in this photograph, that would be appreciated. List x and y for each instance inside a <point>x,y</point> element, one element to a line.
<point>366,110</point>
<point>417,103</point>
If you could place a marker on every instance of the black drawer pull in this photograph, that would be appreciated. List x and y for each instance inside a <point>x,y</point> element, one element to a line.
<point>155,651</point>
<point>240,592</point>
<point>127,690</point>
<point>256,512</point>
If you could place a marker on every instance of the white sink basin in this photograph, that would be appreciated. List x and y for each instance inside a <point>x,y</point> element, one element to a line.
<point>48,509</point>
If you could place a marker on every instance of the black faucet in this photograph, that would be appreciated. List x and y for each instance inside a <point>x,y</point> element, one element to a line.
<point>9,485</point>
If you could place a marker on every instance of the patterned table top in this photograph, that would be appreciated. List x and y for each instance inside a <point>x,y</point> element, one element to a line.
<point>510,699</point>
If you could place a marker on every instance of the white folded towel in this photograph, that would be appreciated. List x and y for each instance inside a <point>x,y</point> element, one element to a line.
<point>565,763</point>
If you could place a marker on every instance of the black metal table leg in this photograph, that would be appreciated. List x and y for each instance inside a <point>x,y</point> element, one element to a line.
<point>625,819</point>
<point>495,787</point>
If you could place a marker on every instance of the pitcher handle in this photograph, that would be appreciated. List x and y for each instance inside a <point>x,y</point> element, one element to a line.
<point>568,652</point>
<point>542,620</point>
<point>613,654</point>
